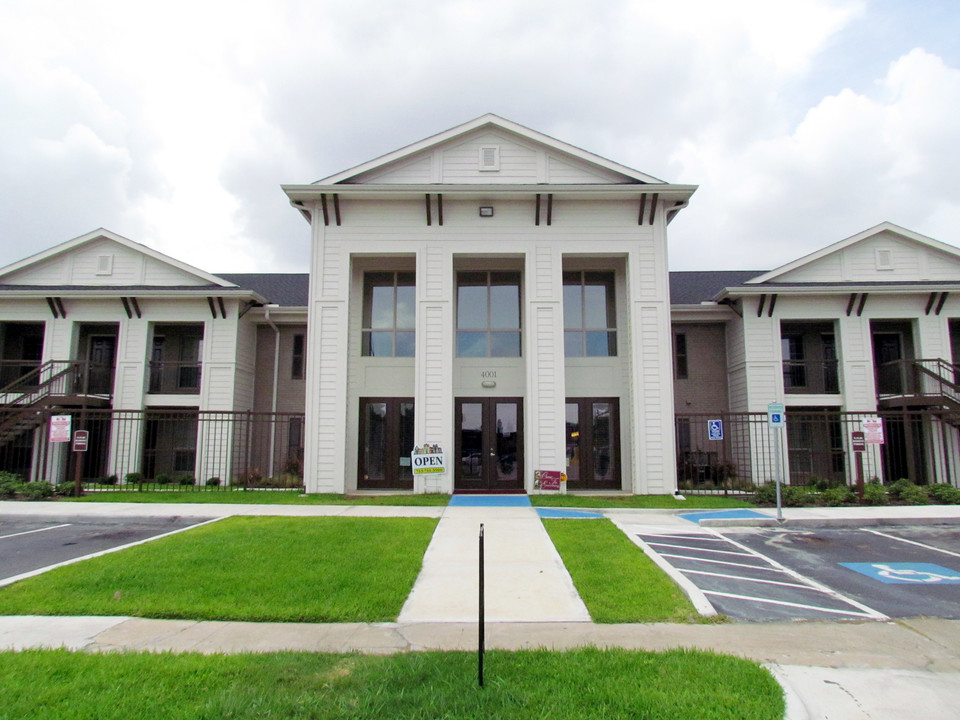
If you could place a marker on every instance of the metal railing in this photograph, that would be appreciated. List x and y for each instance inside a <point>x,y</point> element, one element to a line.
<point>933,379</point>
<point>815,377</point>
<point>165,448</point>
<point>921,444</point>
<point>175,377</point>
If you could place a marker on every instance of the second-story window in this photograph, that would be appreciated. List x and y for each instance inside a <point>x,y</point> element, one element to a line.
<point>297,357</point>
<point>488,314</point>
<point>389,314</point>
<point>680,356</point>
<point>589,314</point>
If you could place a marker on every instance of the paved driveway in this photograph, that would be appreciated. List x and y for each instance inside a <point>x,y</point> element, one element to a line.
<point>30,543</point>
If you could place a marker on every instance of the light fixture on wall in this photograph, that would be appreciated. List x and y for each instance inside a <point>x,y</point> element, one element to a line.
<point>486,211</point>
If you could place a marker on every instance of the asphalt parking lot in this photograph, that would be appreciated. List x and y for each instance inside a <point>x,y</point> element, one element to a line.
<point>31,543</point>
<point>777,574</point>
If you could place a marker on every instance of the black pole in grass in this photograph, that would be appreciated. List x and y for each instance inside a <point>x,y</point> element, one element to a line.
<point>480,643</point>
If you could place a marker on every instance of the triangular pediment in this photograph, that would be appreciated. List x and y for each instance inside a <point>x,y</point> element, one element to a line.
<point>104,259</point>
<point>884,253</point>
<point>490,150</point>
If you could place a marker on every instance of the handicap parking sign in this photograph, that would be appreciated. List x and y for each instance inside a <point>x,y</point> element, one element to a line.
<point>715,429</point>
<point>907,573</point>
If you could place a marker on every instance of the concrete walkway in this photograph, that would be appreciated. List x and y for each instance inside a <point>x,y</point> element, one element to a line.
<point>835,671</point>
<point>527,582</point>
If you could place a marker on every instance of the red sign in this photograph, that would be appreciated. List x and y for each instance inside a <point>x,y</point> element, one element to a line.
<point>547,479</point>
<point>80,440</point>
<point>859,441</point>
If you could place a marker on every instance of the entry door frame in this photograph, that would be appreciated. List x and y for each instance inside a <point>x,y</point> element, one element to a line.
<point>393,452</point>
<point>488,482</point>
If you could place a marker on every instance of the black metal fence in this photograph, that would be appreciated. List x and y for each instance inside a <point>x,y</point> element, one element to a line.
<point>182,448</point>
<point>922,445</point>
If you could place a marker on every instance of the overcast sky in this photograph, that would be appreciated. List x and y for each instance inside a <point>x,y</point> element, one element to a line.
<point>175,123</point>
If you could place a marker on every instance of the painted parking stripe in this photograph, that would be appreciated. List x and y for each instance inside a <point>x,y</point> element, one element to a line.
<point>720,562</point>
<point>745,579</point>
<point>678,536</point>
<point>27,532</point>
<point>769,601</point>
<point>707,550</point>
<point>913,542</point>
<point>870,612</point>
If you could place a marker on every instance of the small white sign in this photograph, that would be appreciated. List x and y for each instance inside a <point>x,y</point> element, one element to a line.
<point>872,430</point>
<point>60,428</point>
<point>428,459</point>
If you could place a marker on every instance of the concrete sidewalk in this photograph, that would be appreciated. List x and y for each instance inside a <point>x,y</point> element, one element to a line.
<point>835,671</point>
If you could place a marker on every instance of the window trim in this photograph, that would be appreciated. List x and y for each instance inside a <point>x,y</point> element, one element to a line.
<point>609,283</point>
<point>366,332</point>
<point>489,328</point>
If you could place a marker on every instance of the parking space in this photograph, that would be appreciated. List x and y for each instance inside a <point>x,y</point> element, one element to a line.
<point>899,571</point>
<point>747,586</point>
<point>30,543</point>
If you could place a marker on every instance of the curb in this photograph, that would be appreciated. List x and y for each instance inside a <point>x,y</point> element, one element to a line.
<point>793,709</point>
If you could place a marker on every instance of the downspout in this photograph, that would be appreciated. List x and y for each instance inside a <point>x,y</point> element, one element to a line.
<point>276,378</point>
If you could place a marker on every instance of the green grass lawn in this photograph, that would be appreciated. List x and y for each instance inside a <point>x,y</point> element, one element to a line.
<point>652,502</point>
<point>615,579</point>
<point>244,568</point>
<point>263,497</point>
<point>674,685</point>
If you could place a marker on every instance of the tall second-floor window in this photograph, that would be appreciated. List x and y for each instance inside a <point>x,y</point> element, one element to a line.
<point>297,357</point>
<point>488,314</point>
<point>589,314</point>
<point>389,302</point>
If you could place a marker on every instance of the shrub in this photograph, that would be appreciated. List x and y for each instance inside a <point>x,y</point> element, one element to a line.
<point>875,495</point>
<point>944,494</point>
<point>133,477</point>
<point>797,496</point>
<point>186,480</point>
<point>766,494</point>
<point>914,496</point>
<point>164,479</point>
<point>212,482</point>
<point>108,480</point>
<point>899,487</point>
<point>10,484</point>
<point>39,490</point>
<point>840,495</point>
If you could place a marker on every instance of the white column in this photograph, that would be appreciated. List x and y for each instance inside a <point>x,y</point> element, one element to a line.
<point>434,361</point>
<point>544,425</point>
<point>327,357</point>
<point>650,351</point>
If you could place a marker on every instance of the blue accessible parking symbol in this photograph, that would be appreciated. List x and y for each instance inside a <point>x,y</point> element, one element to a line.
<point>907,573</point>
<point>715,429</point>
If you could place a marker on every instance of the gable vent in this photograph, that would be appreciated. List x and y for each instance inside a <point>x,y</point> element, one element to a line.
<point>884,259</point>
<point>104,264</point>
<point>489,158</point>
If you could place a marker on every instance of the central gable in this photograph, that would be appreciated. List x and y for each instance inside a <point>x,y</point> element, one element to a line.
<point>490,150</point>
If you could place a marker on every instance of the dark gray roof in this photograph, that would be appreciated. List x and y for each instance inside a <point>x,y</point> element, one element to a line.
<point>690,287</point>
<point>286,289</point>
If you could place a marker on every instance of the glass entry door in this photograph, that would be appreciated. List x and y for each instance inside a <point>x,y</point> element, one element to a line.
<point>386,441</point>
<point>489,452</point>
<point>593,443</point>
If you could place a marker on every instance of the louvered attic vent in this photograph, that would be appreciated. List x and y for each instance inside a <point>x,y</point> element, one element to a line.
<point>884,259</point>
<point>489,158</point>
<point>104,264</point>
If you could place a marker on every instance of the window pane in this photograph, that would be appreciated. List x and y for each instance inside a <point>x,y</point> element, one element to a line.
<point>406,440</point>
<point>471,344</point>
<point>505,306</point>
<point>381,304</point>
<point>406,344</point>
<point>573,343</point>
<point>381,344</point>
<point>572,307</point>
<point>601,344</point>
<point>595,306</point>
<point>573,441</point>
<point>505,344</point>
<point>471,307</point>
<point>406,307</point>
<point>506,439</point>
<point>375,440</point>
<point>602,450</point>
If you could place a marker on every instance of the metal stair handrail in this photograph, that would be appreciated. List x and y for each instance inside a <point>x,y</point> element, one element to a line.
<point>43,381</point>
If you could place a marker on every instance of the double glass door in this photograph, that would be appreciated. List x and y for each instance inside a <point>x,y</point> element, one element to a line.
<point>386,441</point>
<point>489,451</point>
